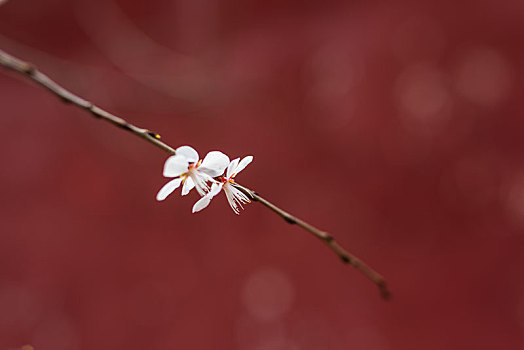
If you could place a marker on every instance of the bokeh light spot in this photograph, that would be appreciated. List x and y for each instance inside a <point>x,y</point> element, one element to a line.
<point>423,97</point>
<point>483,76</point>
<point>267,294</point>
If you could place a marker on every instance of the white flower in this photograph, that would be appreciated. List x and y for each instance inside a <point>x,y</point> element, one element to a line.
<point>190,171</point>
<point>234,196</point>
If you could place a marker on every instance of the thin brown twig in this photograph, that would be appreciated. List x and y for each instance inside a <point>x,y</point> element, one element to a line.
<point>325,237</point>
<point>30,71</point>
<point>66,96</point>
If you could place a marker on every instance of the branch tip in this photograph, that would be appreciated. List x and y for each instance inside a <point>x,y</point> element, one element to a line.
<point>384,292</point>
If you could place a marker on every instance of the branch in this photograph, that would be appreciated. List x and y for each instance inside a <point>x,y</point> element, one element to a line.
<point>30,71</point>
<point>66,96</point>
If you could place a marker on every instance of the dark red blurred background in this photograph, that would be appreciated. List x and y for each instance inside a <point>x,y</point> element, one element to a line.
<point>397,126</point>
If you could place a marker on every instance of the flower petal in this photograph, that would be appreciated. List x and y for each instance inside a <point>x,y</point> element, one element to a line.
<point>188,152</point>
<point>200,180</point>
<point>240,196</point>
<point>214,163</point>
<point>232,167</point>
<point>231,199</point>
<point>205,200</point>
<point>201,203</point>
<point>188,186</point>
<point>216,187</point>
<point>168,189</point>
<point>243,164</point>
<point>175,166</point>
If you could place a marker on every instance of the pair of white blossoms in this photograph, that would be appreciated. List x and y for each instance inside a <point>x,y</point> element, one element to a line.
<point>191,172</point>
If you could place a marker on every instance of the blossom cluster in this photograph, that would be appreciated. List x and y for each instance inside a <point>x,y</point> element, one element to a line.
<point>206,176</point>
